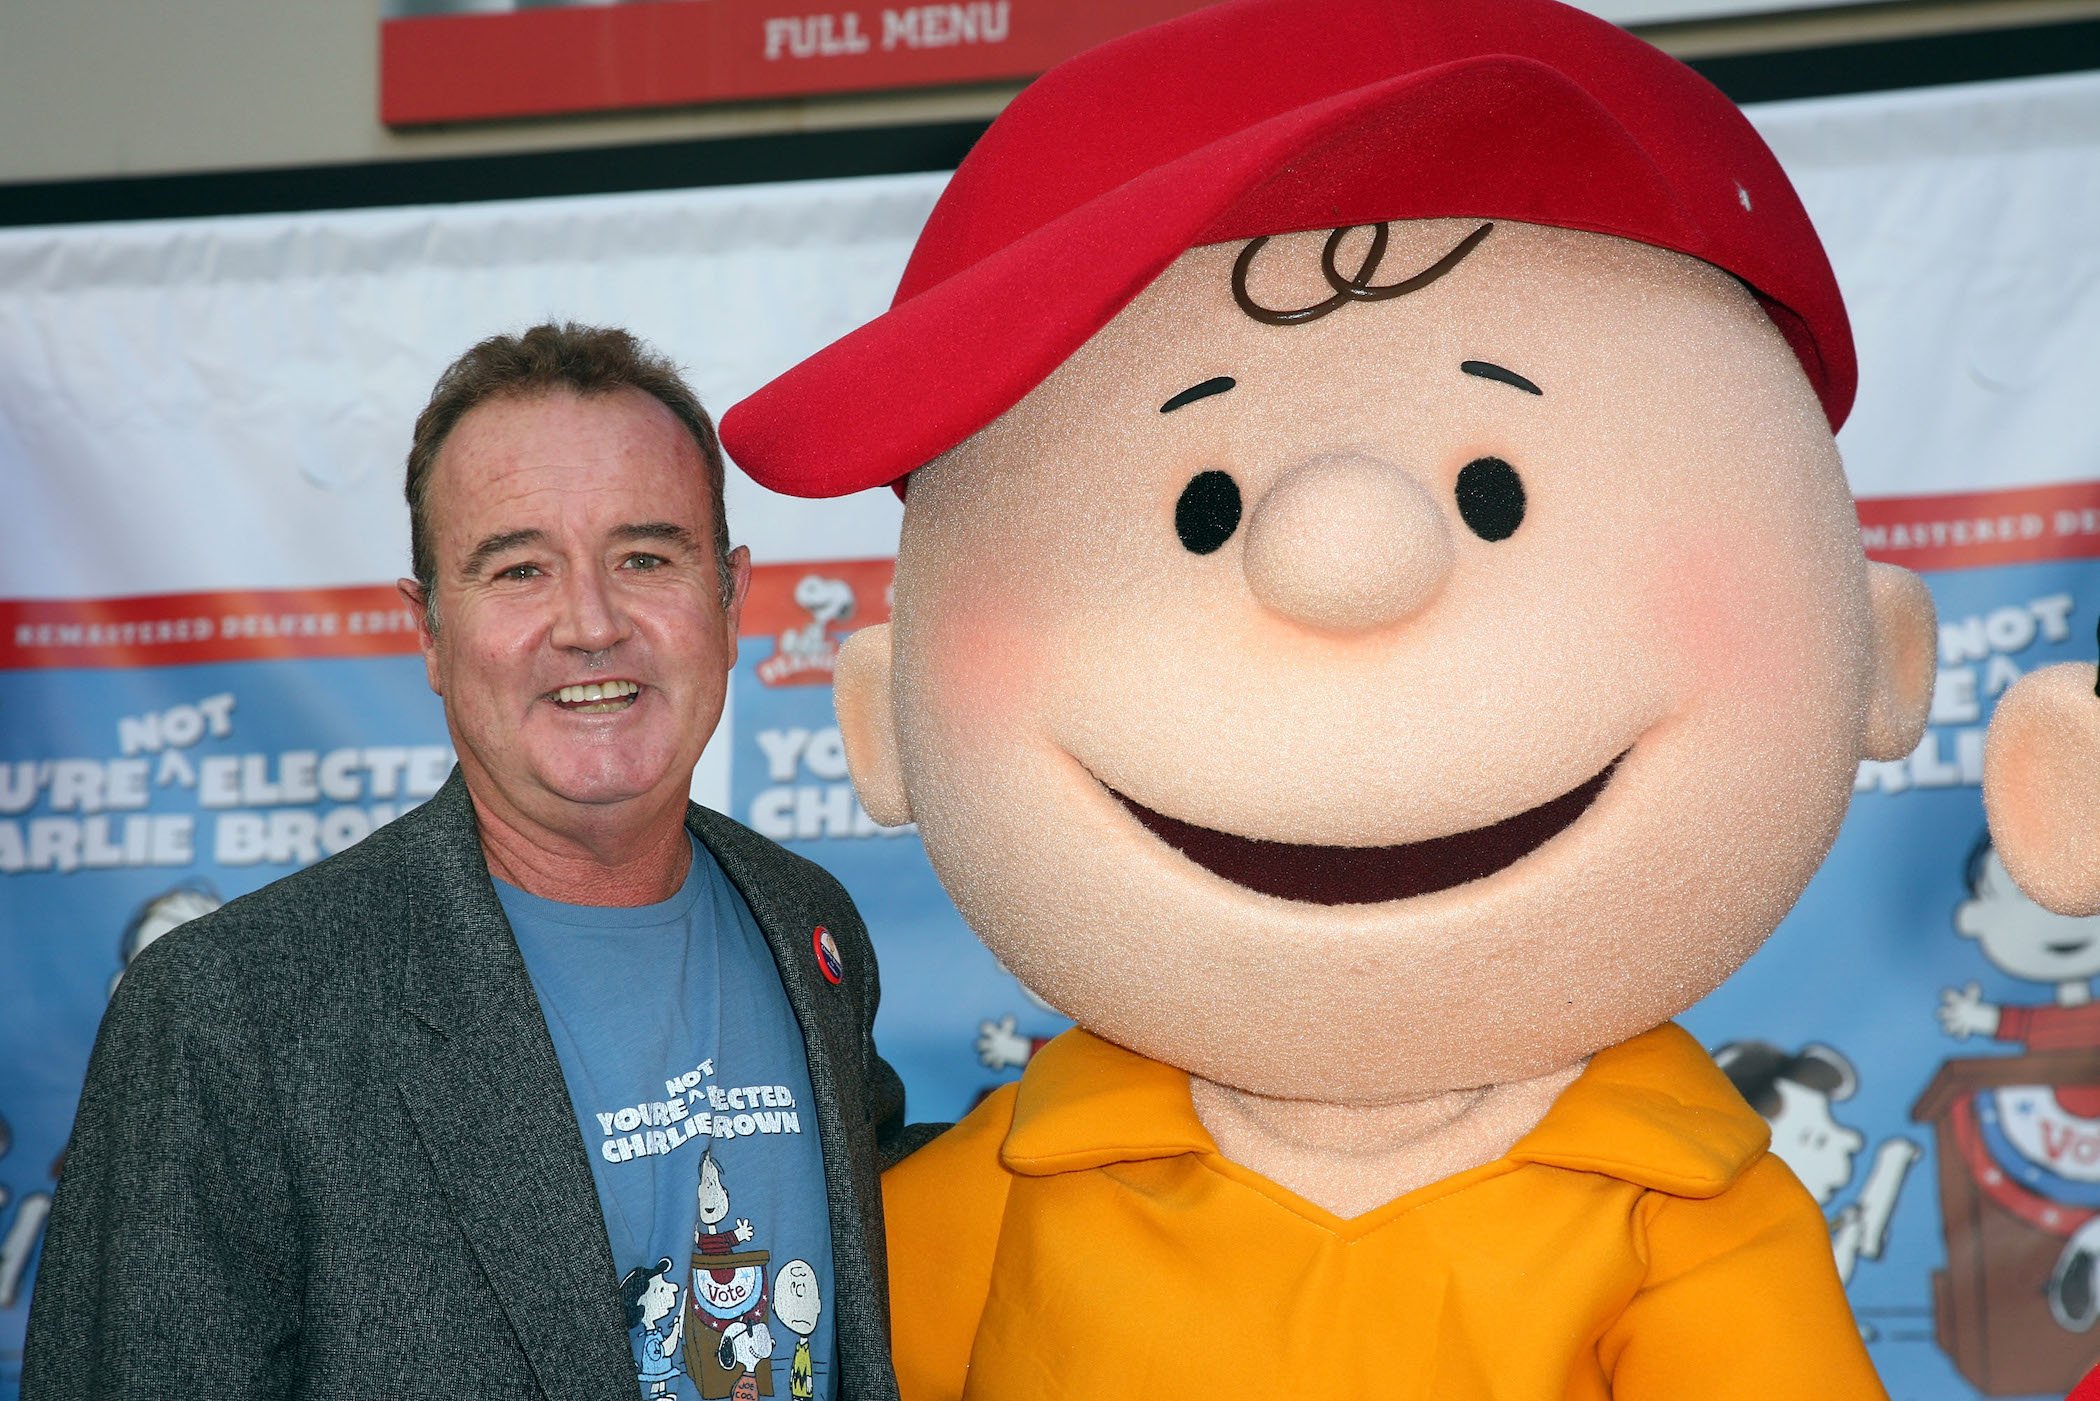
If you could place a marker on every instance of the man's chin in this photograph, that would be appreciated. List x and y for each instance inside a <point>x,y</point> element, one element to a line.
<point>586,791</point>
<point>616,790</point>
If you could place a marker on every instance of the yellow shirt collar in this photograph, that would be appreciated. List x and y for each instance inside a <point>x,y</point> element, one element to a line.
<point>1654,1111</point>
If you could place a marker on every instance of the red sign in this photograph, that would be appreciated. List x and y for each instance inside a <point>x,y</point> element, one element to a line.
<point>165,629</point>
<point>807,610</point>
<point>668,53</point>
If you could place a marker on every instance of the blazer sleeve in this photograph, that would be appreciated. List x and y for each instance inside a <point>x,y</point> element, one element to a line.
<point>170,1263</point>
<point>883,1087</point>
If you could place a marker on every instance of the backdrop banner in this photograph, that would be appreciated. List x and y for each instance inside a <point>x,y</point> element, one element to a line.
<point>208,681</point>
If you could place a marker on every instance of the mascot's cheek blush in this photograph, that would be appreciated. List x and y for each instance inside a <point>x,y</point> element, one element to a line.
<point>1345,875</point>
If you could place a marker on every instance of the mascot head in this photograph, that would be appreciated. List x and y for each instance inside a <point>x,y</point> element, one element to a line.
<point>1379,610</point>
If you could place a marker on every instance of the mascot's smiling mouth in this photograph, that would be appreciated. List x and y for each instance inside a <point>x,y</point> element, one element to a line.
<point>1366,875</point>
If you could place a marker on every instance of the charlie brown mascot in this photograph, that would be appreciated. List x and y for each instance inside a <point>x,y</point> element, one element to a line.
<point>1380,627</point>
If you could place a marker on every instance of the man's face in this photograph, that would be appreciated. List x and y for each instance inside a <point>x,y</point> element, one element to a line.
<point>2023,939</point>
<point>583,645</point>
<point>1423,695</point>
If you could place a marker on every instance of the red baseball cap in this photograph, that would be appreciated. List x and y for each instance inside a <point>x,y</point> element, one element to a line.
<point>1274,116</point>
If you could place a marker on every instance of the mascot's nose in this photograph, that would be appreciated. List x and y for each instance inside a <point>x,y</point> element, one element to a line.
<point>1347,543</point>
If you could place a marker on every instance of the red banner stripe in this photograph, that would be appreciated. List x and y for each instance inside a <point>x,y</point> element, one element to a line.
<point>171,629</point>
<point>1969,530</point>
<point>1966,530</point>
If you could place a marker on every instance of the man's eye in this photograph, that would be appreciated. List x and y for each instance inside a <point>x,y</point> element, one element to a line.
<point>518,571</point>
<point>646,561</point>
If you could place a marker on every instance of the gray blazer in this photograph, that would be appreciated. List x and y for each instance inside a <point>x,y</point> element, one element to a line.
<point>325,1148</point>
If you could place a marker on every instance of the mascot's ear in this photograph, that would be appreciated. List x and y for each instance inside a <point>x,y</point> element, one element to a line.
<point>860,688</point>
<point>1906,654</point>
<point>2041,787</point>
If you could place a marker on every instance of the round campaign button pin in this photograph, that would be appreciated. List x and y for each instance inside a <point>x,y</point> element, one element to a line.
<point>828,956</point>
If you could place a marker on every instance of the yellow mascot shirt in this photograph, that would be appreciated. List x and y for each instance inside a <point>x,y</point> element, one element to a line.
<point>1080,1238</point>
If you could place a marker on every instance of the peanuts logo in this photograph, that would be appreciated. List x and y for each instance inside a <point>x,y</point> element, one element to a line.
<point>807,652</point>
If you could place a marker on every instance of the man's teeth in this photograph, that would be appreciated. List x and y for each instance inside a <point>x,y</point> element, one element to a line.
<point>613,692</point>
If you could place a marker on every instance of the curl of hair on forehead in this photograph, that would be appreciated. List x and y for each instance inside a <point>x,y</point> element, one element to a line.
<point>1357,286</point>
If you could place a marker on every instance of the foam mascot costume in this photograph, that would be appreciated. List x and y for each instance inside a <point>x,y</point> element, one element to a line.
<point>1380,627</point>
<point>2041,787</point>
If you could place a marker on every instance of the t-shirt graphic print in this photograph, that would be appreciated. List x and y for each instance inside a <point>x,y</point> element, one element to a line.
<point>691,1088</point>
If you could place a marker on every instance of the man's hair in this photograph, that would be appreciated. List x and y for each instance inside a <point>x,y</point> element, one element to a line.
<point>586,360</point>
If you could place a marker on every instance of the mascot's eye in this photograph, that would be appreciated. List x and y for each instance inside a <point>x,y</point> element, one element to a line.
<point>1208,512</point>
<point>1490,498</point>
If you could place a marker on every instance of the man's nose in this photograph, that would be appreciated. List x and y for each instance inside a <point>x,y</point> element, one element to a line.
<point>591,618</point>
<point>1347,543</point>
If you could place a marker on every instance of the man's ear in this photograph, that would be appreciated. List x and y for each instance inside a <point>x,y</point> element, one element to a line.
<point>1906,656</point>
<point>412,594</point>
<point>2041,787</point>
<point>733,606</point>
<point>860,688</point>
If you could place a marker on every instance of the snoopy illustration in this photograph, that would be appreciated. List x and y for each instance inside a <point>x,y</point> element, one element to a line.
<point>169,910</point>
<point>827,601</point>
<point>727,1302</point>
<point>1795,1093</point>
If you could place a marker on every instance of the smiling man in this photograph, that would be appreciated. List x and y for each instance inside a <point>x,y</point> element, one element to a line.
<point>400,1124</point>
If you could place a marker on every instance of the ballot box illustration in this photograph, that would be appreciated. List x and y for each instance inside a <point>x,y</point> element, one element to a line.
<point>2017,1305</point>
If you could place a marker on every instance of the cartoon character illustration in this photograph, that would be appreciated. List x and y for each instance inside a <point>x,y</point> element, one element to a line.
<point>20,1240</point>
<point>2022,938</point>
<point>1795,1093</point>
<point>2073,1291</point>
<point>808,651</point>
<point>827,601</point>
<point>2019,1136</point>
<point>1000,1044</point>
<point>797,1304</point>
<point>170,909</point>
<point>728,1347</point>
<point>649,1298</point>
<point>2019,937</point>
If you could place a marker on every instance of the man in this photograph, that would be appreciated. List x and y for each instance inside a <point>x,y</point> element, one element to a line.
<point>329,1143</point>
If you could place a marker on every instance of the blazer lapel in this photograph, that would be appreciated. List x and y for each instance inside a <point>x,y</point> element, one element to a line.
<point>788,906</point>
<point>493,1114</point>
<point>787,917</point>
<point>788,914</point>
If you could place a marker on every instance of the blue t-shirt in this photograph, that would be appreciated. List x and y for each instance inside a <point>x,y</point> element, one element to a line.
<point>686,1067</point>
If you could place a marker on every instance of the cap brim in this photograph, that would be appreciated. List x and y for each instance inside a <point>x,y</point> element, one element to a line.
<point>1497,136</point>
